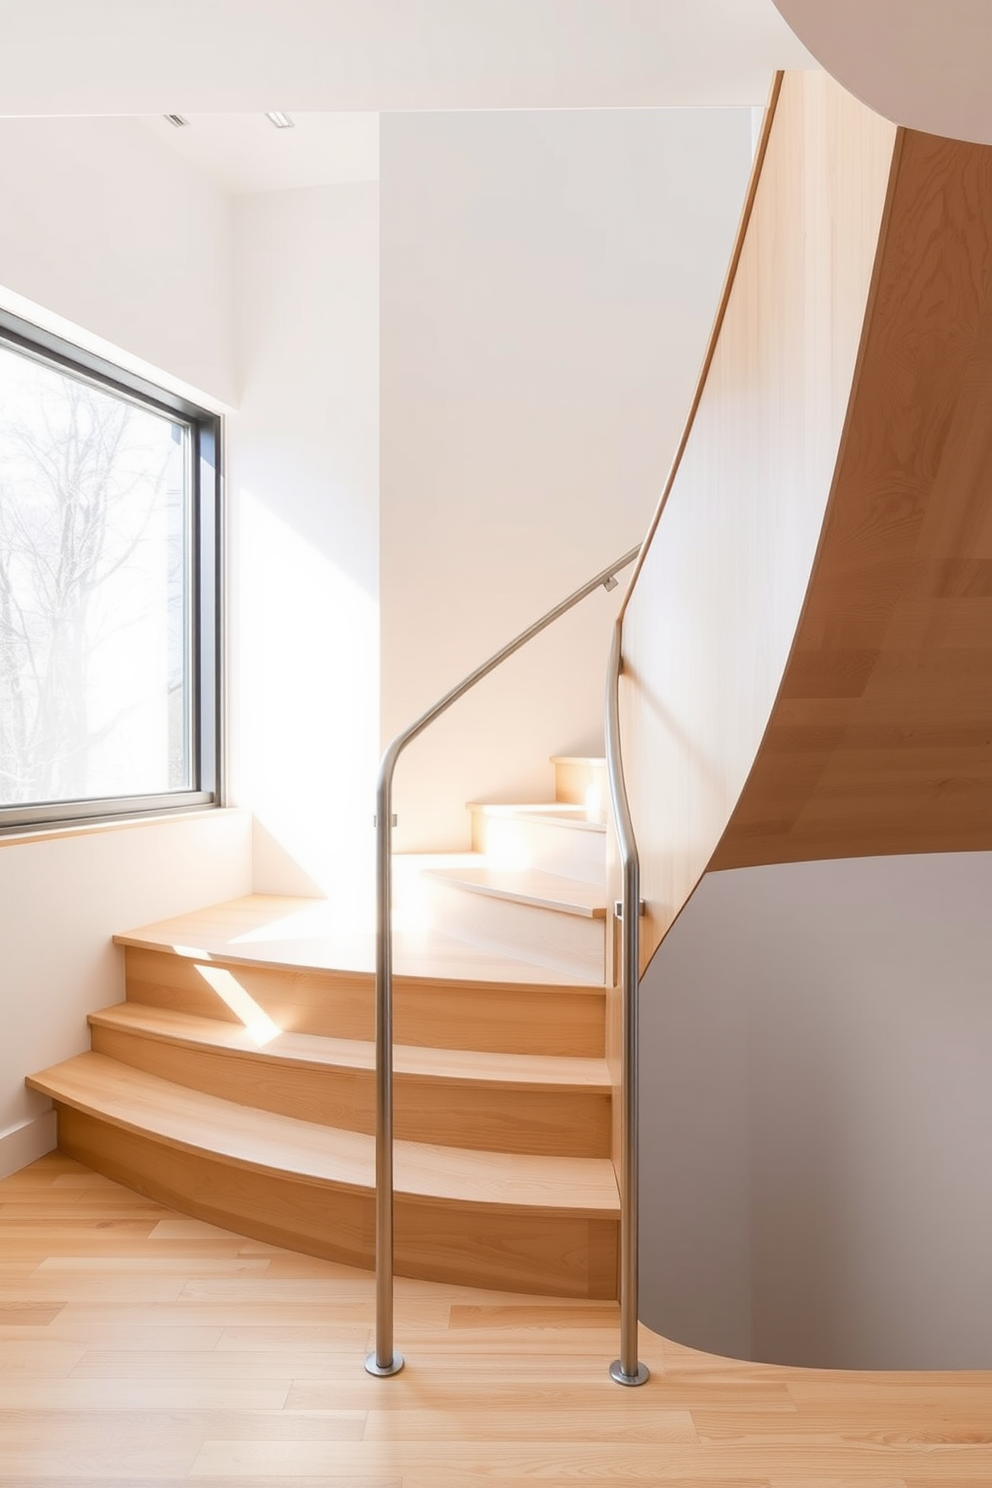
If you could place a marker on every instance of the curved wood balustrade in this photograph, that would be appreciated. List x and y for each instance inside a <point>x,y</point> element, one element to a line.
<point>880,740</point>
<point>713,607</point>
<point>808,636</point>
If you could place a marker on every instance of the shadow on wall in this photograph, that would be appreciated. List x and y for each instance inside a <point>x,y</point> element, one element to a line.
<point>273,864</point>
<point>816,1116</point>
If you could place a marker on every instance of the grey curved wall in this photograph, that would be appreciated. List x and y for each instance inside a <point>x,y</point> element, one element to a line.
<point>816,1115</point>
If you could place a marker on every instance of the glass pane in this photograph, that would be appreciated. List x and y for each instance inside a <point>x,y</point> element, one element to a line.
<point>94,591</point>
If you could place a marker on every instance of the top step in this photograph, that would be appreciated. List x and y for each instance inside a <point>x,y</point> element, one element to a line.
<point>551,836</point>
<point>582,781</point>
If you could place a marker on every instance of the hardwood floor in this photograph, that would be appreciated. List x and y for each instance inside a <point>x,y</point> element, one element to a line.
<point>143,1348</point>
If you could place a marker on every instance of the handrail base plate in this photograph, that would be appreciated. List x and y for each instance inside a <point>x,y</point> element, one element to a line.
<point>617,1375</point>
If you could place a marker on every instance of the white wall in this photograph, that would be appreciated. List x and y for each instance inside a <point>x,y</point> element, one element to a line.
<point>62,898</point>
<point>816,1115</point>
<point>105,226</point>
<point>548,283</point>
<point>105,230</point>
<point>695,1140</point>
<point>305,513</point>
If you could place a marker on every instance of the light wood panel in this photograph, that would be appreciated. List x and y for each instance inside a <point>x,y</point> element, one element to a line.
<point>498,1102</point>
<point>514,1018</point>
<point>880,740</point>
<point>496,1219</point>
<point>265,1141</point>
<point>716,597</point>
<point>265,930</point>
<point>582,780</point>
<point>242,1090</point>
<point>520,1071</point>
<point>567,1254</point>
<point>262,1383</point>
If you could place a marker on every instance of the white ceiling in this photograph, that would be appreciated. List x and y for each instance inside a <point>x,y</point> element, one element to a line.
<point>922,63</point>
<point>334,65</point>
<point>242,56</point>
<point>244,152</point>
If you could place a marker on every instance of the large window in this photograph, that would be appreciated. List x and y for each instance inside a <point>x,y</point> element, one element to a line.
<point>108,589</point>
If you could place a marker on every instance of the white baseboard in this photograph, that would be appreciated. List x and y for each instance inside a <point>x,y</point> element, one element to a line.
<point>23,1144</point>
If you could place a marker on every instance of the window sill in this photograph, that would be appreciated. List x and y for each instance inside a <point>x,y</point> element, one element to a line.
<point>44,833</point>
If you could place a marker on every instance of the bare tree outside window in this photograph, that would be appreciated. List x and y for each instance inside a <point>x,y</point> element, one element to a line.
<point>94,605</point>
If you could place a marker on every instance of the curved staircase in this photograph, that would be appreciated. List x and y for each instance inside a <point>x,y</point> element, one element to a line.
<point>535,883</point>
<point>236,1081</point>
<point>806,652</point>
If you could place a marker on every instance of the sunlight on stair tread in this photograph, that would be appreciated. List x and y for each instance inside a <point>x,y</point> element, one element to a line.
<point>258,1025</point>
<point>258,929</point>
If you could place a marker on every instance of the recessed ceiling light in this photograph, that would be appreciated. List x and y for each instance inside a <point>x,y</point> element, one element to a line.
<point>177,120</point>
<point>281,121</point>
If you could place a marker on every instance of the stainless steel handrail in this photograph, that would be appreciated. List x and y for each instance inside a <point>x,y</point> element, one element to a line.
<point>384,1360</point>
<point>627,1370</point>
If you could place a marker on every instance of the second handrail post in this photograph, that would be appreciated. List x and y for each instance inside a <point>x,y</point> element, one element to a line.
<point>384,1360</point>
<point>627,1370</point>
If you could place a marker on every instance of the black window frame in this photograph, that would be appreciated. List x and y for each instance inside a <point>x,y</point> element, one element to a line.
<point>206,581</point>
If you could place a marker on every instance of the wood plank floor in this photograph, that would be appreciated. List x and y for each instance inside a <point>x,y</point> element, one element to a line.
<point>146,1349</point>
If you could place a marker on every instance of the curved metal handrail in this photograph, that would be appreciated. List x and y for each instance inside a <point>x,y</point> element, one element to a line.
<point>627,1370</point>
<point>730,279</point>
<point>384,1360</point>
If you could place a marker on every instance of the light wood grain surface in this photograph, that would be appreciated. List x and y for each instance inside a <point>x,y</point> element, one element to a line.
<point>524,1221</point>
<point>715,602</point>
<point>514,1017</point>
<point>521,1072</point>
<point>881,737</point>
<point>243,1093</point>
<point>281,931</point>
<point>263,1141</point>
<point>147,1349</point>
<point>582,780</point>
<point>452,1097</point>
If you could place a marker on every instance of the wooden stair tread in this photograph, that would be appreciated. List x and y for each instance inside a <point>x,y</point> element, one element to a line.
<point>530,886</point>
<point>479,1068</point>
<point>564,814</point>
<point>266,930</point>
<point>261,1141</point>
<point>579,759</point>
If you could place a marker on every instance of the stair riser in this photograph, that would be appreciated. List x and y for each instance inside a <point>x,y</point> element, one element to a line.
<point>568,1124</point>
<point>499,1019</point>
<point>573,944</point>
<point>572,851</point>
<point>472,1245</point>
<point>582,783</point>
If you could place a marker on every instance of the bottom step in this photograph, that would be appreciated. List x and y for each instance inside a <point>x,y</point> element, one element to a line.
<point>502,1220</point>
